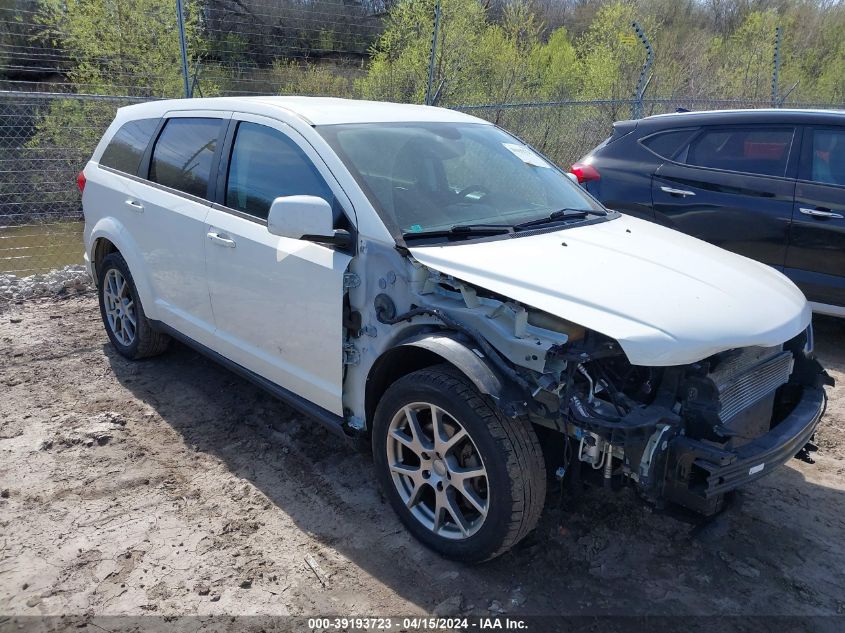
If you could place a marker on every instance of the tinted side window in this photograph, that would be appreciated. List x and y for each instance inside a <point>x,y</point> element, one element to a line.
<point>667,144</point>
<point>127,146</point>
<point>755,150</point>
<point>183,154</point>
<point>266,164</point>
<point>829,156</point>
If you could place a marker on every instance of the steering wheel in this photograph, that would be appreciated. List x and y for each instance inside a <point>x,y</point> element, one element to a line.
<point>463,193</point>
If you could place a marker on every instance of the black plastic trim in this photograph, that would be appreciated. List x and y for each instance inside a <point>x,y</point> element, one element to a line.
<point>222,174</point>
<point>144,166</point>
<point>728,470</point>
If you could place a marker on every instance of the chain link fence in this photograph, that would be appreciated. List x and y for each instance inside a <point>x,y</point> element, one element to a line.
<point>45,140</point>
<point>48,129</point>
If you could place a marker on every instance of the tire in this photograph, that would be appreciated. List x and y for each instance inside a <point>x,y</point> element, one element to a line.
<point>424,480</point>
<point>134,341</point>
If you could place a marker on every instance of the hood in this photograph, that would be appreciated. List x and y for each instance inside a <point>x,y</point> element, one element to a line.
<point>666,297</point>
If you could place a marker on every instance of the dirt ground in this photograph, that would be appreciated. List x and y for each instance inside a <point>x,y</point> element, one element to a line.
<point>173,487</point>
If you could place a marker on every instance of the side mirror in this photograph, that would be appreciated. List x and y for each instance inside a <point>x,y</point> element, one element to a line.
<point>301,217</point>
<point>572,177</point>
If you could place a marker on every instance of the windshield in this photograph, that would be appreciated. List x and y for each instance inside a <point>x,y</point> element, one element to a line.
<point>425,178</point>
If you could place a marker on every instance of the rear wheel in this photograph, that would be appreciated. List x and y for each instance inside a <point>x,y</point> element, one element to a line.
<point>465,480</point>
<point>123,315</point>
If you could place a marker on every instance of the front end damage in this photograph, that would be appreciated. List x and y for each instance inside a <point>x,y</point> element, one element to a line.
<point>684,434</point>
<point>688,434</point>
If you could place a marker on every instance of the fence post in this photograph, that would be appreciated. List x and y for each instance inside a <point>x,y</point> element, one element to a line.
<point>645,78</point>
<point>776,71</point>
<point>183,46</point>
<point>431,61</point>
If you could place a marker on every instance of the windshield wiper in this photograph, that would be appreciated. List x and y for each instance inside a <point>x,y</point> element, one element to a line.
<point>461,230</point>
<point>560,214</point>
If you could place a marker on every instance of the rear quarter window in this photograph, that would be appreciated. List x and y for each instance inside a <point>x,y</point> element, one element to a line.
<point>127,146</point>
<point>753,150</point>
<point>668,144</point>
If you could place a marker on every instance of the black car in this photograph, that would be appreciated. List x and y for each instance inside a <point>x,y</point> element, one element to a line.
<point>767,184</point>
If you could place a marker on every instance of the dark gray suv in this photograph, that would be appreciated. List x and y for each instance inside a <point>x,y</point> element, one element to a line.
<point>767,184</point>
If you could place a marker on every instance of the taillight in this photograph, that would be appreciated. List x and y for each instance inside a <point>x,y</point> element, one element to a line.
<point>584,172</point>
<point>80,181</point>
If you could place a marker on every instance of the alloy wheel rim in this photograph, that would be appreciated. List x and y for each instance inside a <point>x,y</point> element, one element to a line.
<point>438,471</point>
<point>120,307</point>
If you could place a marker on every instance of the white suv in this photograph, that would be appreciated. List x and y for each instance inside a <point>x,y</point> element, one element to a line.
<point>421,279</point>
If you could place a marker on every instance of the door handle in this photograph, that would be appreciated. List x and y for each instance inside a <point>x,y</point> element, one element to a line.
<point>821,213</point>
<point>677,192</point>
<point>222,240</point>
<point>135,205</point>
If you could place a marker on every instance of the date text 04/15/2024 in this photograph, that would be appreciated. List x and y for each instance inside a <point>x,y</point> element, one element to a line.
<point>418,623</point>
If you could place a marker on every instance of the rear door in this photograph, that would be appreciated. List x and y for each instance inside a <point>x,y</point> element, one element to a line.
<point>815,259</point>
<point>278,302</point>
<point>170,211</point>
<point>732,186</point>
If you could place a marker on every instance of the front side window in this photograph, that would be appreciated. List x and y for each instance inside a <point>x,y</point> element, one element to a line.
<point>425,177</point>
<point>128,145</point>
<point>753,150</point>
<point>266,164</point>
<point>183,154</point>
<point>829,157</point>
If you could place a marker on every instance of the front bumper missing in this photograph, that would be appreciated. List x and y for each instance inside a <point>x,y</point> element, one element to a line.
<point>698,474</point>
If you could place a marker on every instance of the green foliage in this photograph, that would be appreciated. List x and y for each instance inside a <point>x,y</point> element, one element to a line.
<point>120,46</point>
<point>611,55</point>
<point>117,47</point>
<point>555,65</point>
<point>516,57</point>
<point>742,63</point>
<point>813,54</point>
<point>476,61</point>
<point>290,77</point>
<point>399,67</point>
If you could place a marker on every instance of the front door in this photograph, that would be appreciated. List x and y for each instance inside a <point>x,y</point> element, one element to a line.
<point>729,186</point>
<point>277,302</point>
<point>815,259</point>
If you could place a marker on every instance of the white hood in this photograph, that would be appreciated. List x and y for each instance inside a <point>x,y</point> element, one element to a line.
<point>667,298</point>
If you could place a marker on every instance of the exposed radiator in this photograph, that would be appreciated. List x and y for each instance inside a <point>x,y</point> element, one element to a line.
<point>751,374</point>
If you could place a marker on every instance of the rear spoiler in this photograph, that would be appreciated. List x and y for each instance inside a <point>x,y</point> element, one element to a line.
<point>622,128</point>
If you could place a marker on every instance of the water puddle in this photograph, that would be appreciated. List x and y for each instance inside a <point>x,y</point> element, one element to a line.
<point>40,248</point>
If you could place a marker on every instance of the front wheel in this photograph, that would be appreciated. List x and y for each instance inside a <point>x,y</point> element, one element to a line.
<point>465,480</point>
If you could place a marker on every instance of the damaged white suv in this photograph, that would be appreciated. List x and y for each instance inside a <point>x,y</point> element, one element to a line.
<point>421,279</point>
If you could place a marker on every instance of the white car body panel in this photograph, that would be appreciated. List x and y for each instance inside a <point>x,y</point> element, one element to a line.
<point>278,306</point>
<point>669,299</point>
<point>278,302</point>
<point>113,230</point>
<point>169,231</point>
